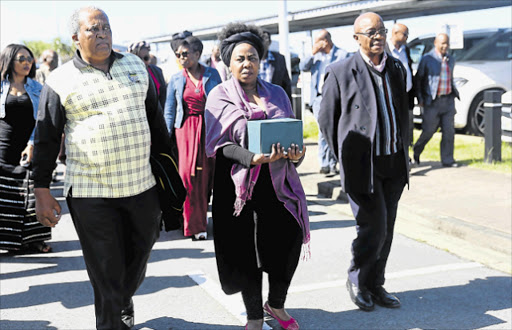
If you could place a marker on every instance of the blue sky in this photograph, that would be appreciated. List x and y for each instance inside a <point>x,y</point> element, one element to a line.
<point>135,20</point>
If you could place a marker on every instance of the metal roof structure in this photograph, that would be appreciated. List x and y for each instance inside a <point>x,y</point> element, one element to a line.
<point>345,12</point>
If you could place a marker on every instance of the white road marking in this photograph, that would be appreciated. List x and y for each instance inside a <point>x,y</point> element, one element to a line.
<point>401,274</point>
<point>233,303</point>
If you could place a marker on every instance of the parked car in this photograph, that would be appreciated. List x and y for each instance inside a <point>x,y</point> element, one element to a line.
<point>486,66</point>
<point>424,44</point>
<point>485,63</point>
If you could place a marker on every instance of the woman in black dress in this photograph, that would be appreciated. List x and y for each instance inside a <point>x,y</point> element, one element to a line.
<point>19,228</point>
<point>260,216</point>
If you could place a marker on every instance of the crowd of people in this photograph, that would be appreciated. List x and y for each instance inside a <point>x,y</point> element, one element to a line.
<point>105,112</point>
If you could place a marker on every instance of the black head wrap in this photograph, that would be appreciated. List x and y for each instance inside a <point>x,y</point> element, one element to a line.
<point>177,38</point>
<point>228,44</point>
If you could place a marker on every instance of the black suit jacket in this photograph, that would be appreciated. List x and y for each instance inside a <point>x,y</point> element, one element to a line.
<point>162,95</point>
<point>348,117</point>
<point>412,92</point>
<point>280,76</point>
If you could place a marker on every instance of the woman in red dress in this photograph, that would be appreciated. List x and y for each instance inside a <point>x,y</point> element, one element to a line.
<point>184,115</point>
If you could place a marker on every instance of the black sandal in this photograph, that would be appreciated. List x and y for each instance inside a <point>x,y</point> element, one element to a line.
<point>38,247</point>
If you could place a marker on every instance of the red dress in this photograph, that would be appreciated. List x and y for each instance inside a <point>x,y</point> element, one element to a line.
<point>196,170</point>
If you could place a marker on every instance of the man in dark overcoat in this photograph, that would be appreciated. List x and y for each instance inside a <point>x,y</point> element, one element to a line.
<point>364,118</point>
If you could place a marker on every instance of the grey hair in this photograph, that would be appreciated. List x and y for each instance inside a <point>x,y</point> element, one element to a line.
<point>74,20</point>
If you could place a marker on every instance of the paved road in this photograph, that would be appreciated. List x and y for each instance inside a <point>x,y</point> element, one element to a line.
<point>438,289</point>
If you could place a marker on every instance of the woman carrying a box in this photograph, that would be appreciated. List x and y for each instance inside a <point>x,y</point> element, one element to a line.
<point>260,216</point>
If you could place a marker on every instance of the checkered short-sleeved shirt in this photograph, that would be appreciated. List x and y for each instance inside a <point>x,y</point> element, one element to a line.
<point>107,133</point>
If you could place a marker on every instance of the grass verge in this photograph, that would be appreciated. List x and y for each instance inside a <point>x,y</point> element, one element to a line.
<point>469,150</point>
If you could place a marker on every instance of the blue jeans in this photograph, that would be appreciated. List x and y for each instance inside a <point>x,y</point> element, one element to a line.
<point>325,155</point>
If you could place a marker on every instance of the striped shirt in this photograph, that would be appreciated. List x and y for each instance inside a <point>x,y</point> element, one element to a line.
<point>387,132</point>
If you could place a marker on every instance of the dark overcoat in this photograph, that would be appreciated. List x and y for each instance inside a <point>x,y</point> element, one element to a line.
<point>348,118</point>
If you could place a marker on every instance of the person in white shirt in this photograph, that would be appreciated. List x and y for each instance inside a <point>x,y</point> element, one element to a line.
<point>397,47</point>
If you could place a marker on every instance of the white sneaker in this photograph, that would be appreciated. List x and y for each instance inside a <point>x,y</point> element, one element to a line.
<point>201,236</point>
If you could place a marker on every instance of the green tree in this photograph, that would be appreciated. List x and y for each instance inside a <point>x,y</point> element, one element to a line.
<point>64,50</point>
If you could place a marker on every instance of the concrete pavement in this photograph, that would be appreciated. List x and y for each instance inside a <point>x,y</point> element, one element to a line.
<point>439,288</point>
<point>463,210</point>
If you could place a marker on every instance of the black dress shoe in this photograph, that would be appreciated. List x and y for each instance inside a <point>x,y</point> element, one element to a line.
<point>454,164</point>
<point>384,298</point>
<point>417,159</point>
<point>128,315</point>
<point>361,298</point>
<point>325,170</point>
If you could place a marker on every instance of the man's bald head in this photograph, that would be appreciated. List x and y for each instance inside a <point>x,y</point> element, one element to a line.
<point>399,35</point>
<point>323,41</point>
<point>366,19</point>
<point>323,35</point>
<point>442,37</point>
<point>50,58</point>
<point>370,34</point>
<point>442,43</point>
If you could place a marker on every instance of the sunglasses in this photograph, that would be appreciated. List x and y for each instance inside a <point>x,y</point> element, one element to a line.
<point>184,54</point>
<point>146,58</point>
<point>22,59</point>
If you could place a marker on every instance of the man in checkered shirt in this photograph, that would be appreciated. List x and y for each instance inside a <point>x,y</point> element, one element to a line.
<point>108,109</point>
<point>436,94</point>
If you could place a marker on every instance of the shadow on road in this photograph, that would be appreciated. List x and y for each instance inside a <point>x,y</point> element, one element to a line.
<point>454,307</point>
<point>82,292</point>
<point>162,323</point>
<point>8,324</point>
<point>331,224</point>
<point>60,264</point>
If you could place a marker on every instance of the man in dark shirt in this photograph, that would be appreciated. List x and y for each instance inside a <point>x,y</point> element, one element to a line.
<point>273,67</point>
<point>436,94</point>
<point>108,108</point>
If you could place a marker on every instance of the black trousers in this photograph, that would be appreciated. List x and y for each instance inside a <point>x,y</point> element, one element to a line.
<point>264,238</point>
<point>116,235</point>
<point>375,215</point>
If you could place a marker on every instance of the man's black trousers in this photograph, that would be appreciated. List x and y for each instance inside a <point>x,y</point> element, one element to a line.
<point>117,235</point>
<point>375,215</point>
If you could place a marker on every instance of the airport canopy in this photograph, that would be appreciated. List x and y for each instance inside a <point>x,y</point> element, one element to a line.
<point>345,12</point>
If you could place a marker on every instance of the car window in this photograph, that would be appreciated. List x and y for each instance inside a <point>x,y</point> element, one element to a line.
<point>495,48</point>
<point>420,47</point>
<point>469,42</point>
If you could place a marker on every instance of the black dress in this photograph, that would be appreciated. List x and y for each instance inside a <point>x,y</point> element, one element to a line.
<point>18,224</point>
<point>264,238</point>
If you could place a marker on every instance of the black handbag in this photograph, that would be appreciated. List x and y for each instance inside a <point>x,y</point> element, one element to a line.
<point>171,192</point>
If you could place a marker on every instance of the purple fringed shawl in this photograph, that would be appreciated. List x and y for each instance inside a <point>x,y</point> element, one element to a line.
<point>226,114</point>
